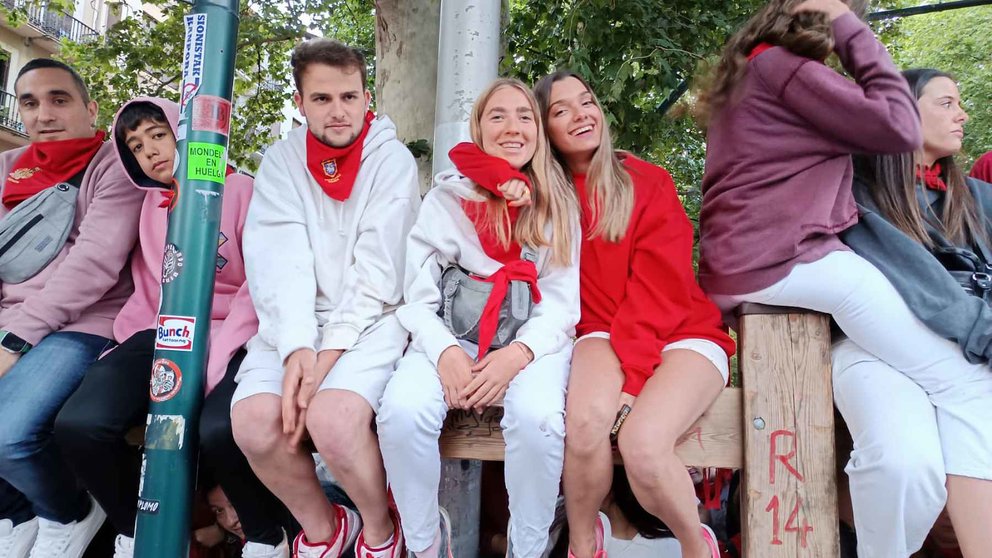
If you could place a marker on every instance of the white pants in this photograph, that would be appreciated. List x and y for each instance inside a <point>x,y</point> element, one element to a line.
<point>410,417</point>
<point>897,468</point>
<point>876,319</point>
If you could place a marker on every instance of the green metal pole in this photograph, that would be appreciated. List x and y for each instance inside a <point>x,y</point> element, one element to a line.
<point>177,377</point>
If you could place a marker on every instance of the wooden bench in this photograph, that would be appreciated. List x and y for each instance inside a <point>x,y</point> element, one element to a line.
<point>778,427</point>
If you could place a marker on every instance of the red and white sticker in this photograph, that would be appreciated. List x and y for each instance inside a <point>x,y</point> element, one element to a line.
<point>166,380</point>
<point>175,333</point>
<point>212,114</point>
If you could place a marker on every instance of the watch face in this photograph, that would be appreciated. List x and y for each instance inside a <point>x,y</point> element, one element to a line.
<point>12,343</point>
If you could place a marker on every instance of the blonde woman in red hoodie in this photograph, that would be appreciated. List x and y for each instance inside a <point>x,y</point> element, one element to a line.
<point>650,343</point>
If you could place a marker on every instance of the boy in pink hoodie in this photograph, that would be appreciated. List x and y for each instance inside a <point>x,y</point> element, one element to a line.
<point>114,397</point>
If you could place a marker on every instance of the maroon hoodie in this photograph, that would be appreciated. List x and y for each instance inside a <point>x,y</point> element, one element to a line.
<point>777,186</point>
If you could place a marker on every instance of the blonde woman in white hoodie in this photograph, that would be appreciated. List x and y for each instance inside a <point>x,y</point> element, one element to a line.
<point>500,220</point>
<point>324,247</point>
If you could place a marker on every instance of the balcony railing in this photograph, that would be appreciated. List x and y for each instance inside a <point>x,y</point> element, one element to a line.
<point>9,118</point>
<point>51,22</point>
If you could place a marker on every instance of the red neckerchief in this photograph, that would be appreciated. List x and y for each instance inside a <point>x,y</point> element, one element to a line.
<point>171,197</point>
<point>47,163</point>
<point>931,177</point>
<point>489,172</point>
<point>336,168</point>
<point>762,47</point>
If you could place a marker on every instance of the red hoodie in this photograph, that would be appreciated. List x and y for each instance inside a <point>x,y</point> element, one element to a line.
<point>642,290</point>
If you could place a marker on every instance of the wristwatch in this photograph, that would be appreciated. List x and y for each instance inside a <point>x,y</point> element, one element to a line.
<point>12,343</point>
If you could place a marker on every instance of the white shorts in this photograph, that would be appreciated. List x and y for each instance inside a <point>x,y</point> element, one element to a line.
<point>363,369</point>
<point>704,347</point>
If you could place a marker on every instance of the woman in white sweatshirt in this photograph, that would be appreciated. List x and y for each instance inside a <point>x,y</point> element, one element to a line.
<point>500,219</point>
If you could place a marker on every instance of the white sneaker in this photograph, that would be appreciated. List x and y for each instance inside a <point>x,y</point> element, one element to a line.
<point>16,542</point>
<point>259,550</point>
<point>67,540</point>
<point>349,525</point>
<point>124,547</point>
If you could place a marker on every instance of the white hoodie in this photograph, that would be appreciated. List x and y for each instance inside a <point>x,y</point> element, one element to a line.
<point>444,235</point>
<point>321,271</point>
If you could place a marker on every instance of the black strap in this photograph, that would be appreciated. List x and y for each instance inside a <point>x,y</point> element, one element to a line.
<point>77,179</point>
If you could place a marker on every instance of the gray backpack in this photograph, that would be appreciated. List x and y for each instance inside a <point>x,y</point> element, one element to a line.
<point>34,232</point>
<point>463,298</point>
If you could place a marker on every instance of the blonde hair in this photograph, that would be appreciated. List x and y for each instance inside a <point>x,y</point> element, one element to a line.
<point>552,200</point>
<point>610,186</point>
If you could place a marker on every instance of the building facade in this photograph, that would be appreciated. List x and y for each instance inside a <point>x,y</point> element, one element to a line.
<point>40,36</point>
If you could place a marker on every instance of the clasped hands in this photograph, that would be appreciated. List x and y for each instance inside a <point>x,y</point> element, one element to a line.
<point>476,385</point>
<point>305,370</point>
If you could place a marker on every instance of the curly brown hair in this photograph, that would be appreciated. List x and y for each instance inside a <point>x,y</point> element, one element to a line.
<point>807,34</point>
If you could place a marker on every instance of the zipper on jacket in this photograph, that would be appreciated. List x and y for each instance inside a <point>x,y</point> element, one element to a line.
<point>17,236</point>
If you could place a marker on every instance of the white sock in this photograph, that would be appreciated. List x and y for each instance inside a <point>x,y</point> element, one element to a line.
<point>383,550</point>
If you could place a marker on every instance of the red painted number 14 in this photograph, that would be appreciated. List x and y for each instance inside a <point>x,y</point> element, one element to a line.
<point>790,523</point>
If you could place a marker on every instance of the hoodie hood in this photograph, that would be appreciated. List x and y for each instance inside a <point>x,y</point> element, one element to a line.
<point>381,130</point>
<point>137,177</point>
<point>456,183</point>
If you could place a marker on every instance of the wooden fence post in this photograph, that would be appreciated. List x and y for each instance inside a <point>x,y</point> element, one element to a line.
<point>790,476</point>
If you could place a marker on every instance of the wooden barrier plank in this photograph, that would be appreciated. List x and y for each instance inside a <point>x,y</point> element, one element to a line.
<point>715,440</point>
<point>790,500</point>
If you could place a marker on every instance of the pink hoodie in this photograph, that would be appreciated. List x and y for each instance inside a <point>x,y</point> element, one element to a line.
<point>233,319</point>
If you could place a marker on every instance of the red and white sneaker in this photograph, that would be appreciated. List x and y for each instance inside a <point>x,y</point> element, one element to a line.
<point>349,525</point>
<point>710,539</point>
<point>603,532</point>
<point>394,549</point>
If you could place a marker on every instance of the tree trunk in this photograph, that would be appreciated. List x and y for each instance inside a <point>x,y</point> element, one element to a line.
<point>406,39</point>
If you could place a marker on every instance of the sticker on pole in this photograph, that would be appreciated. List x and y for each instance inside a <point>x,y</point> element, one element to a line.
<point>175,333</point>
<point>193,53</point>
<point>172,263</point>
<point>165,432</point>
<point>206,161</point>
<point>166,380</point>
<point>149,507</point>
<point>211,114</point>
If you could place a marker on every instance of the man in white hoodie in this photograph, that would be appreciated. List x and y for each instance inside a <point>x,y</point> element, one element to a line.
<point>324,247</point>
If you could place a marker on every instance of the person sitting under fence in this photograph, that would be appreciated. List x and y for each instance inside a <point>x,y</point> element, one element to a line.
<point>492,299</point>
<point>650,343</point>
<point>324,250</point>
<point>115,395</point>
<point>60,288</point>
<point>927,228</point>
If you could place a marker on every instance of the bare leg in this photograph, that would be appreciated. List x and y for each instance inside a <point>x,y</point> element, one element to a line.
<point>340,423</point>
<point>969,503</point>
<point>682,388</point>
<point>287,471</point>
<point>590,409</point>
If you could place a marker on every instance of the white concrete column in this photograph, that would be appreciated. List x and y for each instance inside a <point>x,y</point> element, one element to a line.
<point>468,60</point>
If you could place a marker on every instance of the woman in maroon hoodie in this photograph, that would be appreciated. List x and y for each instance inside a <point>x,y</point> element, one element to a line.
<point>647,333</point>
<point>778,190</point>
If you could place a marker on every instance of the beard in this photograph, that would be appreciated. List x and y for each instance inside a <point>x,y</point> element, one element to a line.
<point>336,141</point>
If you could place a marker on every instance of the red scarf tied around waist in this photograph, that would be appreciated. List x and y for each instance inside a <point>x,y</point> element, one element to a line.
<point>336,168</point>
<point>931,177</point>
<point>489,172</point>
<point>47,163</point>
